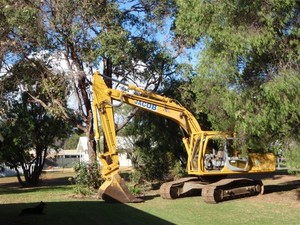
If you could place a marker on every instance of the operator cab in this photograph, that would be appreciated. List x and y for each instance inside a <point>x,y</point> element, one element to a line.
<point>222,153</point>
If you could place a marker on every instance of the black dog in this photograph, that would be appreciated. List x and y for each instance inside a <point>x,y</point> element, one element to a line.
<point>38,210</point>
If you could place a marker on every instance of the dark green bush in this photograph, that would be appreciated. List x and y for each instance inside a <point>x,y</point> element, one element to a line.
<point>87,178</point>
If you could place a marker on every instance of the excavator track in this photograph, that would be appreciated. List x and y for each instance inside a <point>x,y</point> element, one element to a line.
<point>183,187</point>
<point>223,190</point>
<point>228,189</point>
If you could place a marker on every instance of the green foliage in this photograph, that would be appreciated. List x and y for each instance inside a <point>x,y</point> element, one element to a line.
<point>272,112</point>
<point>136,176</point>
<point>215,100</point>
<point>152,145</point>
<point>30,128</point>
<point>261,115</point>
<point>87,178</point>
<point>292,156</point>
<point>245,42</point>
<point>72,141</point>
<point>239,28</point>
<point>157,11</point>
<point>33,79</point>
<point>151,162</point>
<point>158,141</point>
<point>248,72</point>
<point>85,34</point>
<point>22,22</point>
<point>135,190</point>
<point>26,124</point>
<point>178,171</point>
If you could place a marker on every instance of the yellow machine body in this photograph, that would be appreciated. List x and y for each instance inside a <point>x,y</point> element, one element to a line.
<point>203,159</point>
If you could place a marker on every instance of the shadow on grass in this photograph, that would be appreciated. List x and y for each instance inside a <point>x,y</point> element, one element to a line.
<point>282,187</point>
<point>43,182</point>
<point>260,176</point>
<point>61,183</point>
<point>149,197</point>
<point>79,213</point>
<point>20,190</point>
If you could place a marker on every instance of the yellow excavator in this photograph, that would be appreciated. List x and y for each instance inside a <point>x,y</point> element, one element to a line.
<point>212,155</point>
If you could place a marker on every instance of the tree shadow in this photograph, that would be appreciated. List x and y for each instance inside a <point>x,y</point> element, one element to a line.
<point>282,187</point>
<point>16,188</point>
<point>20,190</point>
<point>43,182</point>
<point>278,187</point>
<point>52,183</point>
<point>148,197</point>
<point>79,213</point>
<point>261,176</point>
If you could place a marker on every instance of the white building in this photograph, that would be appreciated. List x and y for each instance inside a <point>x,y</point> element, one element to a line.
<point>123,144</point>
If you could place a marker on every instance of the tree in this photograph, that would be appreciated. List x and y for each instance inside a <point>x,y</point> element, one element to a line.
<point>155,151</point>
<point>157,140</point>
<point>28,139</point>
<point>72,141</point>
<point>30,130</point>
<point>84,34</point>
<point>248,67</point>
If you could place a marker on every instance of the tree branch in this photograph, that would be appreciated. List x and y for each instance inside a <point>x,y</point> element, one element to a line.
<point>127,119</point>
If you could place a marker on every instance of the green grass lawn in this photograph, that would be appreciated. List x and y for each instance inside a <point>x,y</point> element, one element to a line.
<point>63,208</point>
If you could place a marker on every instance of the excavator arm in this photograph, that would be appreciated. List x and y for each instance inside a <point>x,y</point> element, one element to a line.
<point>202,159</point>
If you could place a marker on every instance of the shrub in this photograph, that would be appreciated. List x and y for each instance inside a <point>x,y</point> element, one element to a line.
<point>292,156</point>
<point>87,178</point>
<point>178,171</point>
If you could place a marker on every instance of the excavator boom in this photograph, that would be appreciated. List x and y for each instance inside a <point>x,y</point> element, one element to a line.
<point>210,153</point>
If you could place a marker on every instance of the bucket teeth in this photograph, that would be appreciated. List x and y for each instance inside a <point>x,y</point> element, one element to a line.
<point>115,190</point>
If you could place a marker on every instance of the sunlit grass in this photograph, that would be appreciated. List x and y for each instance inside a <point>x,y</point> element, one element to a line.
<point>64,208</point>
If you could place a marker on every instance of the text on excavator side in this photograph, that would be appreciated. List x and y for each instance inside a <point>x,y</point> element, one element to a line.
<point>146,105</point>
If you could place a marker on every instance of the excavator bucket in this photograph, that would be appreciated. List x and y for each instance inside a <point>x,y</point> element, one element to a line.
<point>115,190</point>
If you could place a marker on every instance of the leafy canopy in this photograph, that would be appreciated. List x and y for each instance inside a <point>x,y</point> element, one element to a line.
<point>248,70</point>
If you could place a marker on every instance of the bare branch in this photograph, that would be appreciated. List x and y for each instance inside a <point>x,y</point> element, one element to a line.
<point>127,119</point>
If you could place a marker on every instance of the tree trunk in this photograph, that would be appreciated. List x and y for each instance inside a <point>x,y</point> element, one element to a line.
<point>19,177</point>
<point>91,139</point>
<point>107,65</point>
<point>32,176</point>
